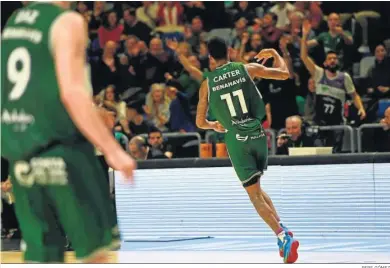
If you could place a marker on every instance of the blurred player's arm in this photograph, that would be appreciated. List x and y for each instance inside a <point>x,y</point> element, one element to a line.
<point>279,71</point>
<point>309,63</point>
<point>69,46</point>
<point>201,113</point>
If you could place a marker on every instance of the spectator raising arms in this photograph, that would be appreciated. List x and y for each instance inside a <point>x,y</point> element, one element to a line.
<point>336,39</point>
<point>157,107</point>
<point>180,120</point>
<point>332,87</point>
<point>111,30</point>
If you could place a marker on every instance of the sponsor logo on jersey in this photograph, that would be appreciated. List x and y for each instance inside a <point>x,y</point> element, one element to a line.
<point>241,122</point>
<point>41,171</point>
<point>262,134</point>
<point>19,119</point>
<point>241,138</point>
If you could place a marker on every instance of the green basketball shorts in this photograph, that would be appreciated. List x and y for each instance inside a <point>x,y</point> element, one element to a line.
<point>63,188</point>
<point>248,154</point>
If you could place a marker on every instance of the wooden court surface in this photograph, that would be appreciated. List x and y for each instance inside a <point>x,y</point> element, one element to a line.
<point>17,257</point>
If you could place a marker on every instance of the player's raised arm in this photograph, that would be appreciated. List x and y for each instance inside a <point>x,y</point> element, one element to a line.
<point>279,71</point>
<point>201,113</point>
<point>69,41</point>
<point>309,63</point>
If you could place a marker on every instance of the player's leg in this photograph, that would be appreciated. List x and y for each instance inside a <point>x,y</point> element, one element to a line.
<point>259,150</point>
<point>84,206</point>
<point>41,235</point>
<point>263,209</point>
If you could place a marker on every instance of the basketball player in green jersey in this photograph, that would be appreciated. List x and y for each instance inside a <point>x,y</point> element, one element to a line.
<point>234,100</point>
<point>47,119</point>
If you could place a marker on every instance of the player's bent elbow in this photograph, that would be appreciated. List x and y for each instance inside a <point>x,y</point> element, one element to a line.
<point>200,123</point>
<point>285,75</point>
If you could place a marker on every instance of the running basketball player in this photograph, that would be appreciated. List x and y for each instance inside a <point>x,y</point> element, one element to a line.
<point>47,119</point>
<point>230,93</point>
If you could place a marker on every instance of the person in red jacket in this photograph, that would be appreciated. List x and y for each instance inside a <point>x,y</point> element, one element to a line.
<point>111,30</point>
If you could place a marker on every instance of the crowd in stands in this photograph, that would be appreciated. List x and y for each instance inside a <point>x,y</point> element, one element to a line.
<point>147,60</point>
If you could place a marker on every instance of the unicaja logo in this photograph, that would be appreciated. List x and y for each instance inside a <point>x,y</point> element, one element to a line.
<point>241,138</point>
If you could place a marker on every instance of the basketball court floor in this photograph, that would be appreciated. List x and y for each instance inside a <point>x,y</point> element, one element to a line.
<point>245,250</point>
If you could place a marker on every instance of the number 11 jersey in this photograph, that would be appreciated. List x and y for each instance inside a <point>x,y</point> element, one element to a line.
<point>234,99</point>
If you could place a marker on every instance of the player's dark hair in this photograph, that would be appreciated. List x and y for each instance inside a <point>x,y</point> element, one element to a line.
<point>218,48</point>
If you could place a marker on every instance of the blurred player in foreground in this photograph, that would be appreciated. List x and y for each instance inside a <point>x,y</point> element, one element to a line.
<point>47,121</point>
<point>230,93</point>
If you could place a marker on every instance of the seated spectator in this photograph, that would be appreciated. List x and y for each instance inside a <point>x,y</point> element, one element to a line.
<point>244,11</point>
<point>96,19</point>
<point>282,10</point>
<point>137,123</point>
<point>157,107</point>
<point>111,30</point>
<point>147,13</point>
<point>140,150</point>
<point>111,101</point>
<point>336,39</point>
<point>196,34</point>
<point>310,102</point>
<point>170,14</point>
<point>269,32</point>
<point>378,139</point>
<point>134,27</point>
<point>158,147</point>
<point>240,27</point>
<point>106,71</point>
<point>180,119</point>
<point>379,75</point>
<point>295,136</point>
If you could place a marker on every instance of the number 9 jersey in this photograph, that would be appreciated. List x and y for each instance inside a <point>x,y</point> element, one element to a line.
<point>32,114</point>
<point>234,99</point>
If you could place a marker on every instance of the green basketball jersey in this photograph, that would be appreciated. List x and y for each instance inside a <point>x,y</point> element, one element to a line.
<point>32,115</point>
<point>234,99</point>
